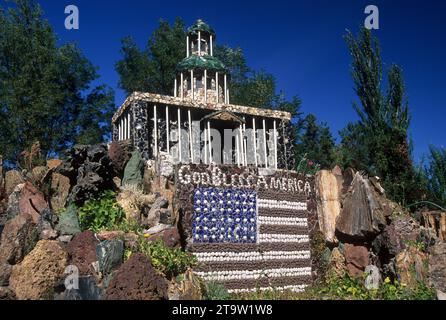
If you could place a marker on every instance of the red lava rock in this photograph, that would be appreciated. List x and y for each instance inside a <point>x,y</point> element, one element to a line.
<point>120,153</point>
<point>137,280</point>
<point>17,239</point>
<point>32,202</point>
<point>82,252</point>
<point>357,258</point>
<point>170,237</point>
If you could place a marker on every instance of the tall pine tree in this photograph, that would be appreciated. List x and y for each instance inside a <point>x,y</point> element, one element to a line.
<point>45,89</point>
<point>379,143</point>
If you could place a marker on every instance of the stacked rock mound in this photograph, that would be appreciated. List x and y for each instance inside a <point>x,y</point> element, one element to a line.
<point>366,232</point>
<point>45,254</point>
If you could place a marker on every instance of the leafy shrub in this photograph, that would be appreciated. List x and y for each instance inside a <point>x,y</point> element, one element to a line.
<point>307,166</point>
<point>353,289</point>
<point>102,213</point>
<point>216,291</point>
<point>170,262</point>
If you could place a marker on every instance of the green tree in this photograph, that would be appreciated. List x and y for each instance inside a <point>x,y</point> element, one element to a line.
<point>45,92</point>
<point>153,69</point>
<point>316,142</point>
<point>434,172</point>
<point>381,132</point>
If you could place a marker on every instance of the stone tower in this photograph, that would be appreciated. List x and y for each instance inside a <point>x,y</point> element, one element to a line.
<point>201,76</point>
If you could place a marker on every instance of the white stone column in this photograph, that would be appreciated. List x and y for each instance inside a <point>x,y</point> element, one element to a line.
<point>210,142</point>
<point>212,46</point>
<point>205,85</point>
<point>189,116</point>
<point>216,87</point>
<point>124,127</point>
<point>237,148</point>
<point>275,144</point>
<point>226,88</point>
<point>175,88</point>
<point>182,86</point>
<point>254,133</point>
<point>179,136</point>
<point>242,154</point>
<point>245,149</point>
<point>155,129</point>
<point>205,147</point>
<point>192,84</point>
<point>264,144</point>
<point>167,130</point>
<point>188,46</point>
<point>129,126</point>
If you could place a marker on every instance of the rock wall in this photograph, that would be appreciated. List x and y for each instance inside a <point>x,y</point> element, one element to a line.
<point>247,228</point>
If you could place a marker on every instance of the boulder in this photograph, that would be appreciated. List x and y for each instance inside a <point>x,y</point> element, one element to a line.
<point>328,203</point>
<point>356,258</point>
<point>393,239</point>
<point>120,153</point>
<point>12,179</point>
<point>32,202</point>
<point>6,294</point>
<point>437,266</point>
<point>36,276</point>
<point>110,255</point>
<point>170,237</point>
<point>130,239</point>
<point>13,208</point>
<point>154,215</point>
<point>90,172</point>
<point>38,173</point>
<point>362,216</point>
<point>185,287</point>
<point>69,222</point>
<point>134,202</point>
<point>46,225</point>
<point>134,170</point>
<point>60,189</point>
<point>411,266</point>
<point>373,279</point>
<point>137,280</point>
<point>336,265</point>
<point>441,295</point>
<point>87,290</point>
<point>82,252</point>
<point>53,163</point>
<point>18,238</point>
<point>5,273</point>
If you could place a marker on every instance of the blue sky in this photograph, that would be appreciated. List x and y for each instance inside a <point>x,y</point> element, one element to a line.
<point>300,42</point>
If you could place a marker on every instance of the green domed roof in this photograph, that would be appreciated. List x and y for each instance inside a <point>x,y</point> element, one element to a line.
<point>200,25</point>
<point>201,62</point>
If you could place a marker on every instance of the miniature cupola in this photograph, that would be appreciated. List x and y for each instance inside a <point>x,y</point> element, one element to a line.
<point>201,76</point>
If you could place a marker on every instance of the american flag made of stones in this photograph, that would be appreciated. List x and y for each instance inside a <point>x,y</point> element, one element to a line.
<point>250,240</point>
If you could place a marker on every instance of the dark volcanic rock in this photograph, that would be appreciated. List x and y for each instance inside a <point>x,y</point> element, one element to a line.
<point>137,280</point>
<point>90,171</point>
<point>170,237</point>
<point>18,238</point>
<point>82,252</point>
<point>120,153</point>
<point>437,266</point>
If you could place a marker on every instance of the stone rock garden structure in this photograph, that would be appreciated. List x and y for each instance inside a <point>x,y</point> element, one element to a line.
<point>165,210</point>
